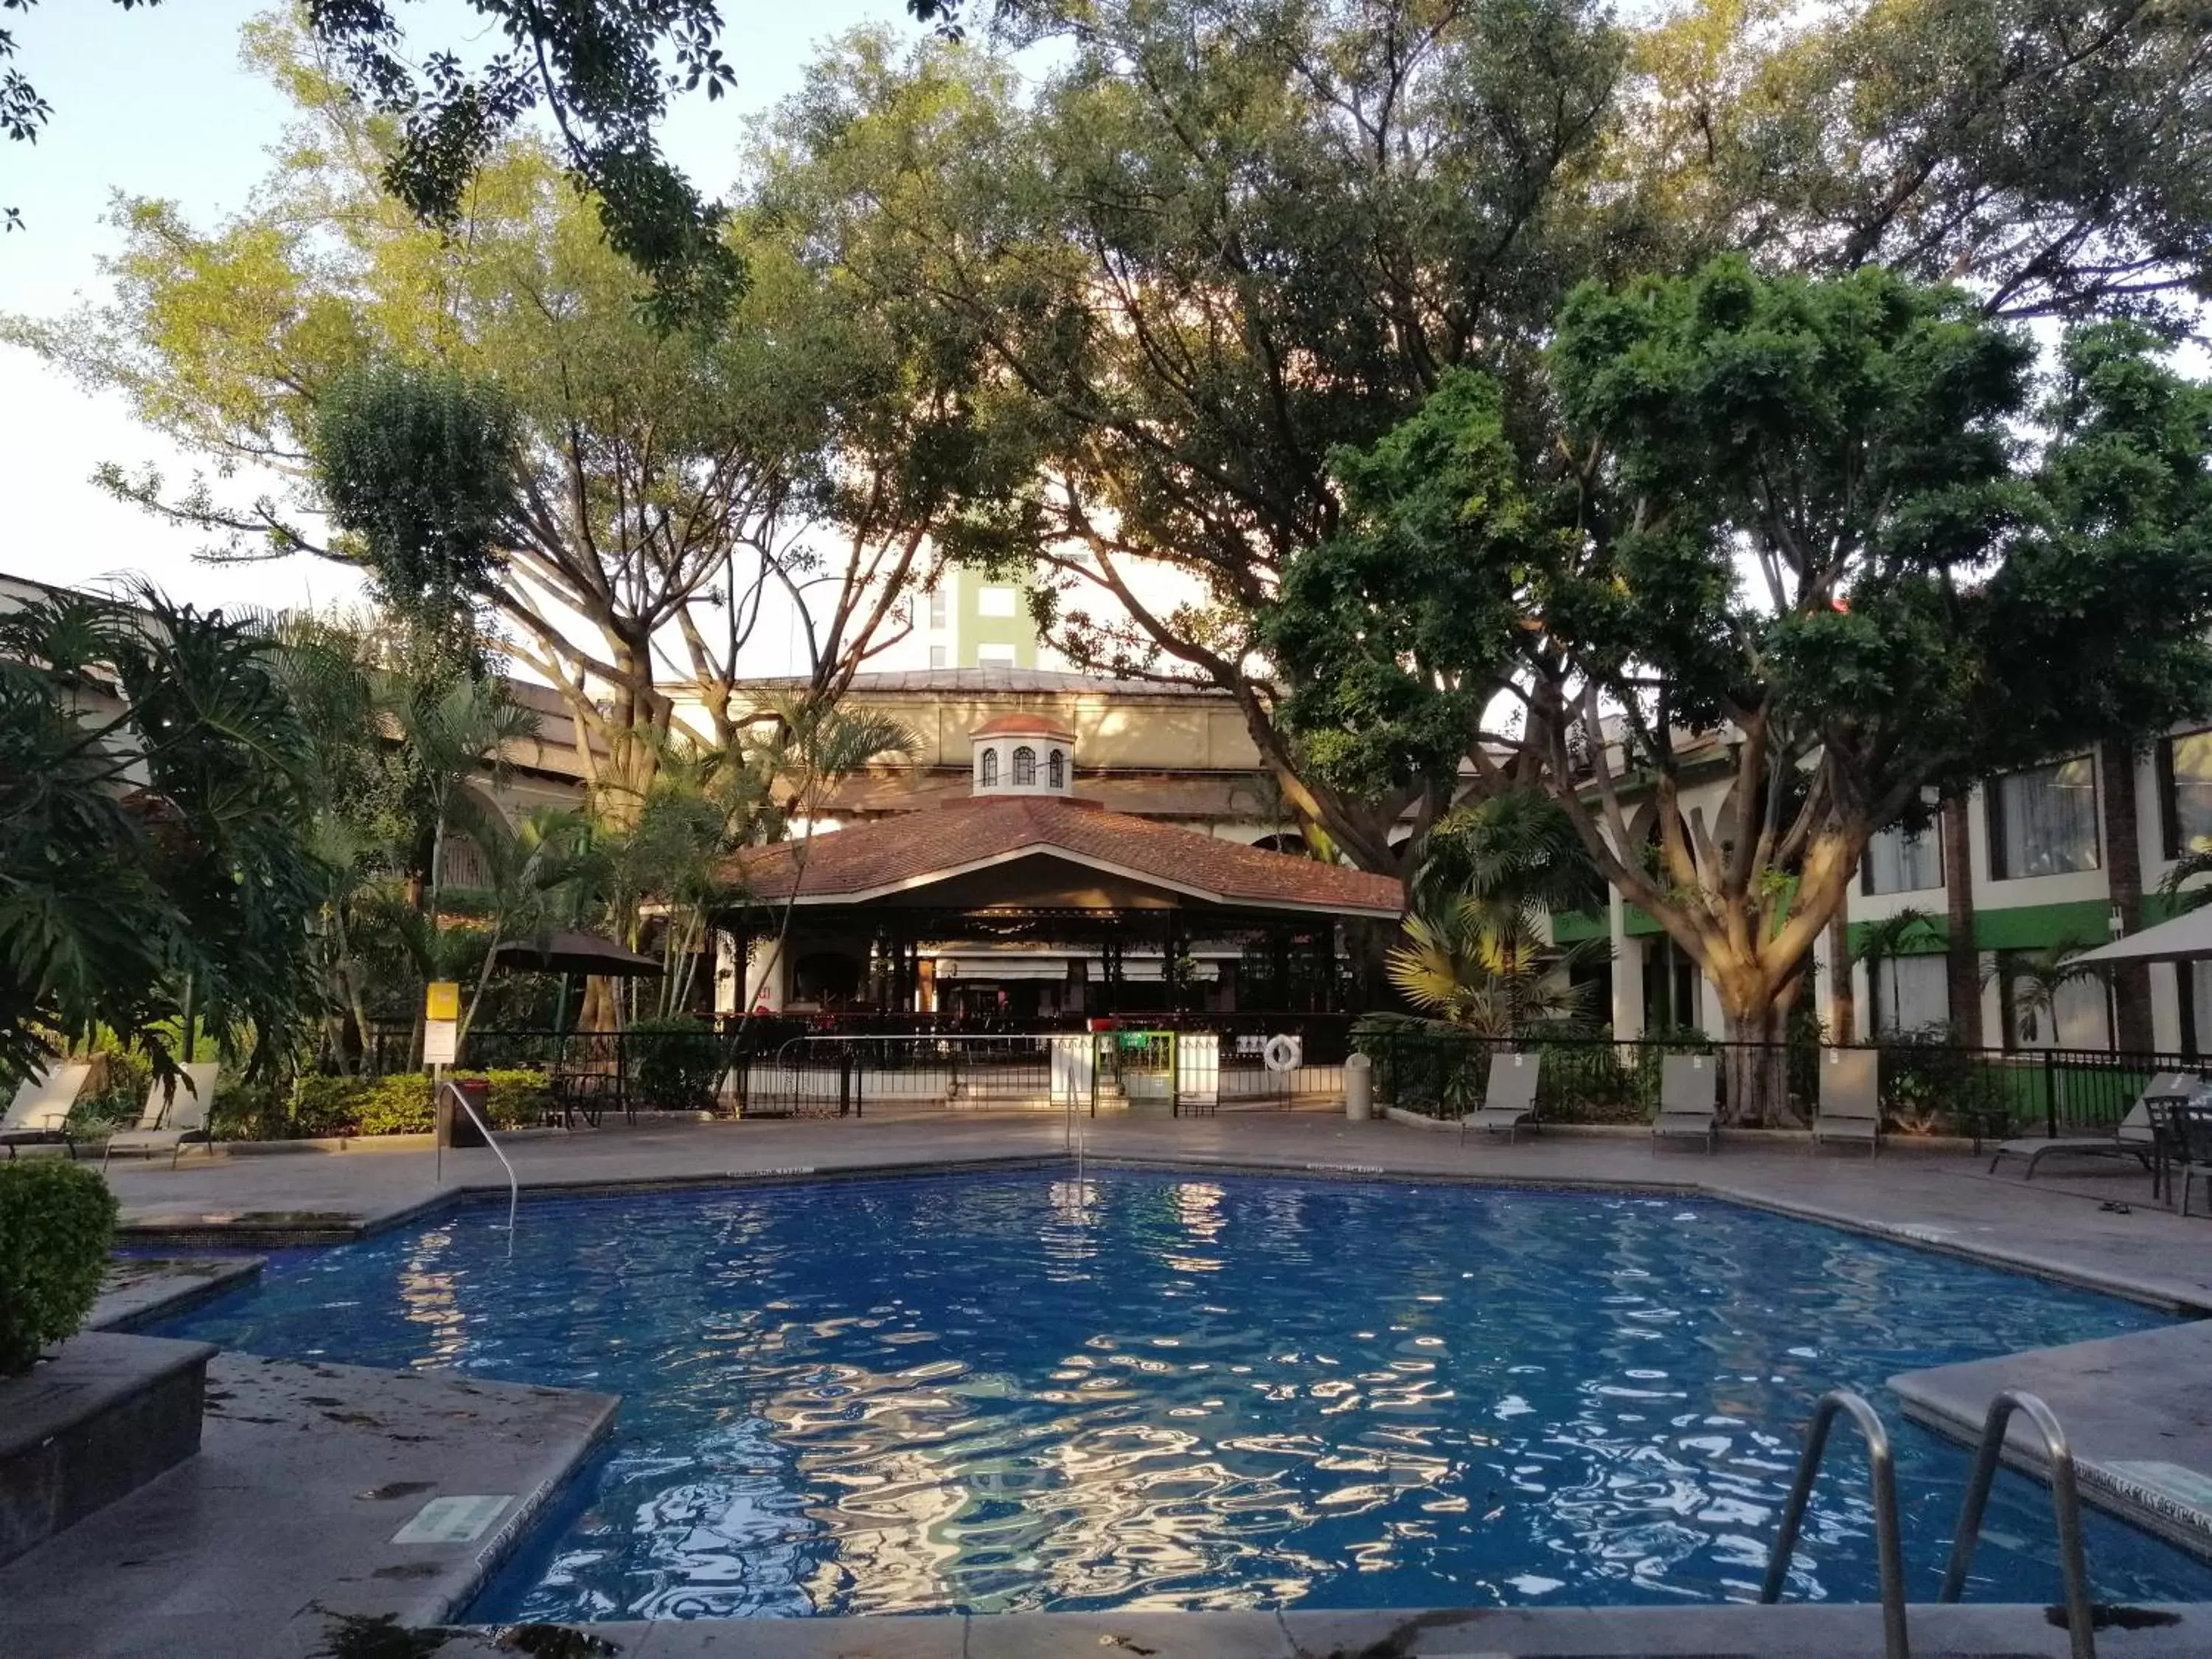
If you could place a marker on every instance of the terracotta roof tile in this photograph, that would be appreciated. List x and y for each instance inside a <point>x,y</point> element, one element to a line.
<point>911,851</point>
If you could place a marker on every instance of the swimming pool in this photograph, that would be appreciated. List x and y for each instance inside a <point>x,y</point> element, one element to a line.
<point>998,1392</point>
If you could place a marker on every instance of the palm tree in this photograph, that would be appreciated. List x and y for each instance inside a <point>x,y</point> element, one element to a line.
<point>1886,938</point>
<point>453,735</point>
<point>534,869</point>
<point>1483,966</point>
<point>2034,979</point>
<point>814,745</point>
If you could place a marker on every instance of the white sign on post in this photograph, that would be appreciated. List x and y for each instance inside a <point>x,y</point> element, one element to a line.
<point>441,1041</point>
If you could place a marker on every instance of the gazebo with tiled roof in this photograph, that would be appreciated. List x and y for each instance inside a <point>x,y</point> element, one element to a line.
<point>1024,888</point>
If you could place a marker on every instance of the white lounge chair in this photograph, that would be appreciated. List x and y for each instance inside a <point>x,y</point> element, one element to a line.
<point>1851,1099</point>
<point>2131,1137</point>
<point>1509,1095</point>
<point>1689,1101</point>
<point>172,1117</point>
<point>39,1115</point>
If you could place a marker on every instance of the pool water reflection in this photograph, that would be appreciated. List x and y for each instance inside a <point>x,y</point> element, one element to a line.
<point>1013,1392</point>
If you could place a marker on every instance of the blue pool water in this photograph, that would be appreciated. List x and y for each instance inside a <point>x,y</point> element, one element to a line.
<point>1008,1392</point>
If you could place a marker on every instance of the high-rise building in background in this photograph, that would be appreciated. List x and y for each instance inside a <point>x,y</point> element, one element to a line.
<point>974,620</point>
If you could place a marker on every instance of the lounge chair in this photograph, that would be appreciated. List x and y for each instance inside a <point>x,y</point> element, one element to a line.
<point>39,1115</point>
<point>173,1116</point>
<point>1689,1101</point>
<point>2133,1136</point>
<point>1509,1095</point>
<point>1851,1099</point>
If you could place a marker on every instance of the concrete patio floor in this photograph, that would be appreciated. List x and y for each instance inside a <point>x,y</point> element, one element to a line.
<point>2064,1224</point>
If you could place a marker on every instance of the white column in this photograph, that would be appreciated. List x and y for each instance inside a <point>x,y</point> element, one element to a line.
<point>1627,972</point>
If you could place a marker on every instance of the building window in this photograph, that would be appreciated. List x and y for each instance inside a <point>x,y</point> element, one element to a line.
<point>995,602</point>
<point>2185,790</point>
<point>2072,1014</point>
<point>2044,822</point>
<point>1909,994</point>
<point>994,656</point>
<point>937,657</point>
<point>1898,861</point>
<point>1056,770</point>
<point>1024,767</point>
<point>988,772</point>
<point>937,607</point>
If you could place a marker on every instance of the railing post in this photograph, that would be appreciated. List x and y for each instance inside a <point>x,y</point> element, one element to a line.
<point>2050,1097</point>
<point>844,1082</point>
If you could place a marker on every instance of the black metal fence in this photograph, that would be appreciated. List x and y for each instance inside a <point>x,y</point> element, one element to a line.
<point>1924,1087</point>
<point>1207,1064</point>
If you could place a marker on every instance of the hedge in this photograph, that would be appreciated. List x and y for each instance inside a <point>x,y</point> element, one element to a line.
<point>56,1226</point>
<point>400,1104</point>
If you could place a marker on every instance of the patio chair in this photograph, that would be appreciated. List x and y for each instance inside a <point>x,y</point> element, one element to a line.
<point>2190,1127</point>
<point>173,1116</point>
<point>1851,1099</point>
<point>1509,1095</point>
<point>1689,1101</point>
<point>2133,1136</point>
<point>39,1115</point>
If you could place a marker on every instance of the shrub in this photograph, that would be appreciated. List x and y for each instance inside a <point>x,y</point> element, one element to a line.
<point>400,1104</point>
<point>678,1063</point>
<point>56,1225</point>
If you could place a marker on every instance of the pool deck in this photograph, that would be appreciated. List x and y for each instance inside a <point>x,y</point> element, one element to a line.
<point>90,1591</point>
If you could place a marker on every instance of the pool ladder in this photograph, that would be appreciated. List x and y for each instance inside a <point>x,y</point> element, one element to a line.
<point>1889,1557</point>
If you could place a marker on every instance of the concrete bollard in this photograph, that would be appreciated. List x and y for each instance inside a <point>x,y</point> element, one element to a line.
<point>1359,1088</point>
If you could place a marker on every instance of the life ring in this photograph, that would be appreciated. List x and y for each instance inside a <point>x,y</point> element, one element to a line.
<point>1283,1054</point>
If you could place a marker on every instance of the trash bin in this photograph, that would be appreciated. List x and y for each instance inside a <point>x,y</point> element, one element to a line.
<point>1359,1088</point>
<point>454,1127</point>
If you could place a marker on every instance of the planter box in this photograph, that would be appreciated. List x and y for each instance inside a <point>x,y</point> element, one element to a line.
<point>100,1419</point>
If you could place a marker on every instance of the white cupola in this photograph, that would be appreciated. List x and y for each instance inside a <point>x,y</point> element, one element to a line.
<point>1023,754</point>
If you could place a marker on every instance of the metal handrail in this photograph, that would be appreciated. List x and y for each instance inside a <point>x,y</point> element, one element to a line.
<point>1882,1471</point>
<point>513,1186</point>
<point>2065,1502</point>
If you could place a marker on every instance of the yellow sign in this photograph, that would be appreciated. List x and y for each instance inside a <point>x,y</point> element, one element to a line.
<point>442,999</point>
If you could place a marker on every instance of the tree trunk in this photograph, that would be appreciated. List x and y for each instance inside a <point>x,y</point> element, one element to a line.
<point>1961,960</point>
<point>1842,1005</point>
<point>2130,981</point>
<point>1755,1071</point>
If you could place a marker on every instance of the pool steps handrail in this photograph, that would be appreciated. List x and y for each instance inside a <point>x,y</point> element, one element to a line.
<point>513,1186</point>
<point>1882,1471</point>
<point>2065,1504</point>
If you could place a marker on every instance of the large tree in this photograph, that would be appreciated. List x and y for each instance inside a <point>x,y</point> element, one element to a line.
<point>1841,522</point>
<point>1218,242</point>
<point>625,497</point>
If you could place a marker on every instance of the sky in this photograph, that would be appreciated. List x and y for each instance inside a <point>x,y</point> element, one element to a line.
<point>155,103</point>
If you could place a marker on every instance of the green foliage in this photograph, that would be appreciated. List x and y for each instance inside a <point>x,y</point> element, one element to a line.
<point>56,1225</point>
<point>678,1062</point>
<point>398,1104</point>
<point>419,464</point>
<point>155,799</point>
<point>1838,519</point>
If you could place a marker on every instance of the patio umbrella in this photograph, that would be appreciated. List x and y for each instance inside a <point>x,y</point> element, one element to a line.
<point>2186,937</point>
<point>569,953</point>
